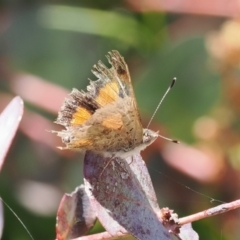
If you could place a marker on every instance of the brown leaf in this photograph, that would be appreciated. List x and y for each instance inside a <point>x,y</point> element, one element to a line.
<point>123,197</point>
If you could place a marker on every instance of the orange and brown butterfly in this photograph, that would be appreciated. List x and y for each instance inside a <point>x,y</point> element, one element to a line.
<point>105,118</point>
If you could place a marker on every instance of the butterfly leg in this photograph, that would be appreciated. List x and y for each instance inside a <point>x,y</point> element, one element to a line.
<point>109,161</point>
<point>131,161</point>
<point>119,162</point>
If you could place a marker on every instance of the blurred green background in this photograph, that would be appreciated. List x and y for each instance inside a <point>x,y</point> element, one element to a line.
<point>47,49</point>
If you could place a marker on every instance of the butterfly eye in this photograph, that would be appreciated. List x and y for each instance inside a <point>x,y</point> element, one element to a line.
<point>149,136</point>
<point>145,137</point>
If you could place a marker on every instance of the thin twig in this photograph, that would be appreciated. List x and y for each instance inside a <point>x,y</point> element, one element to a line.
<point>223,208</point>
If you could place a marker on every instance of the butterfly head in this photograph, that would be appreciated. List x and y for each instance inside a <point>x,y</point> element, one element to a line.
<point>149,137</point>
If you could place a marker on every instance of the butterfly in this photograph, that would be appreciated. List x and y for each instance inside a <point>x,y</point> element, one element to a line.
<point>105,118</point>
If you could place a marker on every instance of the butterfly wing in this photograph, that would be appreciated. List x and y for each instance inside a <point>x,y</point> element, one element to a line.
<point>105,118</point>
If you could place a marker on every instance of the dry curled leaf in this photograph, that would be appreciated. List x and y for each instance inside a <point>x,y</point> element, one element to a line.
<point>75,216</point>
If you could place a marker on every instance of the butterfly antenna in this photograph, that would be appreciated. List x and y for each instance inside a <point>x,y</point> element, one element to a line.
<point>169,139</point>
<point>159,104</point>
<point>24,226</point>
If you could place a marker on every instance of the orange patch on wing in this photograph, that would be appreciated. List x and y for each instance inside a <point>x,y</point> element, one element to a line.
<point>108,94</point>
<point>113,122</point>
<point>80,116</point>
<point>83,143</point>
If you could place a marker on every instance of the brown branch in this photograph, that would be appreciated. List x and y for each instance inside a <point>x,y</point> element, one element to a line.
<point>103,235</point>
<point>223,208</point>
